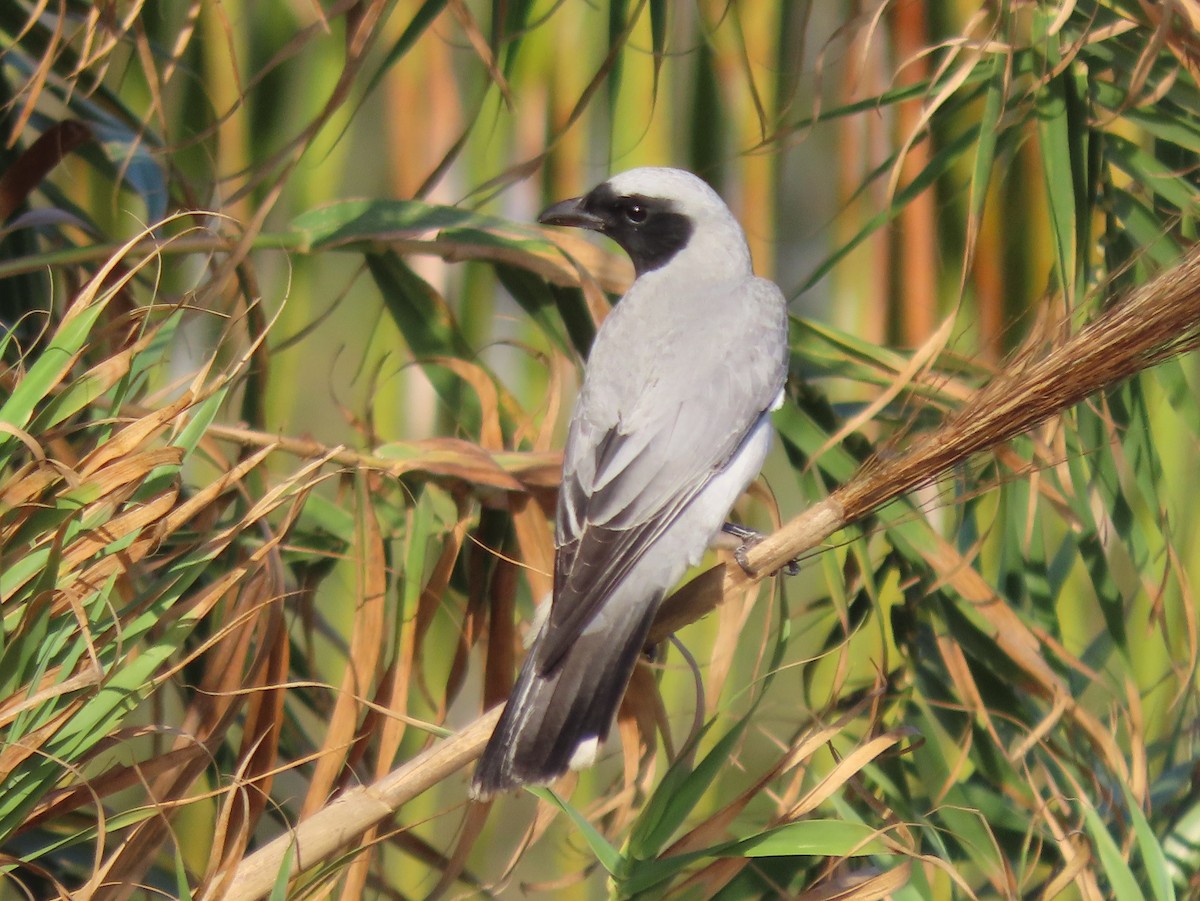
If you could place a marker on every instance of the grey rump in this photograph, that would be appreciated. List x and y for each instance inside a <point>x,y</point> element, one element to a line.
<point>671,424</point>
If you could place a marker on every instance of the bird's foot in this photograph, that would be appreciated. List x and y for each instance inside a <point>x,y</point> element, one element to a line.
<point>749,538</point>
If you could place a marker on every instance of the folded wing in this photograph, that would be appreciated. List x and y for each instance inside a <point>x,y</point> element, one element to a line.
<point>629,474</point>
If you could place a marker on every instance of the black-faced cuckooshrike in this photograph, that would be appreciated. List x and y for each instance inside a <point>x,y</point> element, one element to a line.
<point>671,424</point>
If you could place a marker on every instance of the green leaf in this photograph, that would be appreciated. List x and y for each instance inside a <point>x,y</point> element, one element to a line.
<point>1121,880</point>
<point>362,224</point>
<point>279,889</point>
<point>823,838</point>
<point>1145,229</point>
<point>537,298</point>
<point>658,39</point>
<point>422,19</point>
<point>940,164</point>
<point>26,639</point>
<point>430,329</point>
<point>1059,176</point>
<point>515,26</point>
<point>1092,474</point>
<point>1150,847</point>
<point>989,132</point>
<point>680,790</point>
<point>51,365</point>
<point>1148,172</point>
<point>608,856</point>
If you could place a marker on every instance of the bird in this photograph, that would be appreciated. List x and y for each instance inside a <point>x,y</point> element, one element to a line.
<point>671,424</point>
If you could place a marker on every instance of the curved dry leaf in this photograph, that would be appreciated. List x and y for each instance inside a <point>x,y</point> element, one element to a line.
<point>342,735</point>
<point>861,886</point>
<point>535,541</point>
<point>491,435</point>
<point>845,769</point>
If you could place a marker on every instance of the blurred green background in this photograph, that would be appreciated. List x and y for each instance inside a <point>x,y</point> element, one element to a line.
<point>286,364</point>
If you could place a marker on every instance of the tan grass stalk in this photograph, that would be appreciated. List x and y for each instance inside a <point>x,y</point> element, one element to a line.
<point>342,821</point>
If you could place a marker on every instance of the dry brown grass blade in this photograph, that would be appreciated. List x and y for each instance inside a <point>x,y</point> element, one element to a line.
<point>451,458</point>
<point>102,34</point>
<point>845,769</point>
<point>111,781</point>
<point>1071,841</point>
<point>233,660</point>
<point>395,686</point>
<point>911,372</point>
<point>501,603</point>
<point>267,179</point>
<point>860,887</point>
<point>15,867</point>
<point>1154,322</point>
<point>247,801</point>
<point>341,732</point>
<point>536,543</point>
<point>733,615</point>
<point>131,468</point>
<point>638,719</point>
<point>491,433</point>
<point>482,49</point>
<point>28,483</point>
<point>472,826</point>
<point>851,885</point>
<point>51,686</point>
<point>134,435</point>
<point>14,753</point>
<point>106,491</point>
<point>497,609</point>
<point>1024,648</point>
<point>127,522</point>
<point>42,73</point>
<point>208,495</point>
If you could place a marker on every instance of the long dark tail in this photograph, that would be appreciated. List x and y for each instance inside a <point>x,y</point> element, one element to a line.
<point>552,715</point>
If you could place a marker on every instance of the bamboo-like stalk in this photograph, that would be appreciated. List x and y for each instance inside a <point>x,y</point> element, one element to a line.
<point>344,819</point>
<point>1156,321</point>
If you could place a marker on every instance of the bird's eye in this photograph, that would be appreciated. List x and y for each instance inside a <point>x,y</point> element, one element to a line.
<point>636,213</point>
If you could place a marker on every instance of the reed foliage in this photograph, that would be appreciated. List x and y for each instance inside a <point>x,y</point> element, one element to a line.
<point>284,368</point>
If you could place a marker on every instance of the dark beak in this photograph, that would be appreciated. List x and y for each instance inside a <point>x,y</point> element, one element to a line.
<point>571,212</point>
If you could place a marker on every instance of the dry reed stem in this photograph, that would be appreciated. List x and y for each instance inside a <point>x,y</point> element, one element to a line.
<point>1155,322</point>
<point>348,816</point>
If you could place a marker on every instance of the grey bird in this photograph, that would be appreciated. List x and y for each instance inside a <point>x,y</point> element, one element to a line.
<point>671,425</point>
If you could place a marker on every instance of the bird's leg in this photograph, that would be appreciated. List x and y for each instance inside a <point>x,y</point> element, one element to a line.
<point>742,533</point>
<point>747,538</point>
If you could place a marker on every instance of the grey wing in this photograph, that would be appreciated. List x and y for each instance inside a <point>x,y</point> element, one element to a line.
<point>626,481</point>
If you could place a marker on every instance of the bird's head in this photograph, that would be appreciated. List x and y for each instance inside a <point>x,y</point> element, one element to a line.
<point>659,215</point>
